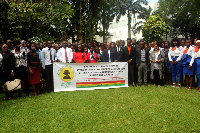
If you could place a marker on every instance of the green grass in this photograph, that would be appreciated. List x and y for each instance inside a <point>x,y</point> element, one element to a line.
<point>139,109</point>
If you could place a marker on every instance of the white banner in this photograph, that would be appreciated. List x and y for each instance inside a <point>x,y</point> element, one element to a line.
<point>89,76</point>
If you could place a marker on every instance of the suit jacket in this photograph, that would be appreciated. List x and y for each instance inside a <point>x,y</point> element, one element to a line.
<point>138,59</point>
<point>124,56</point>
<point>113,55</point>
<point>136,46</point>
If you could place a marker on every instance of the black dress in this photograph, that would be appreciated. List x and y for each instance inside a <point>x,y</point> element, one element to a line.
<point>8,64</point>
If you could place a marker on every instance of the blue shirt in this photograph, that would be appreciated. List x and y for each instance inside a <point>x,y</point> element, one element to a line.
<point>39,52</point>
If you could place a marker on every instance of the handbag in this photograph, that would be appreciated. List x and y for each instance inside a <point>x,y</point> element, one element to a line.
<point>13,85</point>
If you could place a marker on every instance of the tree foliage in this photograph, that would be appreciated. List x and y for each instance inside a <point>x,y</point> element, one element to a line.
<point>36,19</point>
<point>129,7</point>
<point>145,14</point>
<point>154,29</point>
<point>62,19</point>
<point>182,17</point>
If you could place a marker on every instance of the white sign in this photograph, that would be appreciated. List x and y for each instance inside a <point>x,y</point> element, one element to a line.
<point>89,76</point>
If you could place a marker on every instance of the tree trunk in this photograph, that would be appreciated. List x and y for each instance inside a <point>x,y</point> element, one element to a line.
<point>103,23</point>
<point>80,23</point>
<point>129,24</point>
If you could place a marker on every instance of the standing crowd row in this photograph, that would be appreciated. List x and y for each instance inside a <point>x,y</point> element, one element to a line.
<point>165,63</point>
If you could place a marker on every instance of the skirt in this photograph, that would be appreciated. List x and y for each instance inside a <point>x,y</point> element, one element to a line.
<point>186,70</point>
<point>35,77</point>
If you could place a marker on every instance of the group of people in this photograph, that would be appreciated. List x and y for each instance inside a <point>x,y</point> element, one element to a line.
<point>164,63</point>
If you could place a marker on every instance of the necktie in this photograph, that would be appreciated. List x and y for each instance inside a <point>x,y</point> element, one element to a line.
<point>66,55</point>
<point>51,57</point>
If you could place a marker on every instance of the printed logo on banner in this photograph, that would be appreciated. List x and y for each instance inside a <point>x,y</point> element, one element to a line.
<point>66,74</point>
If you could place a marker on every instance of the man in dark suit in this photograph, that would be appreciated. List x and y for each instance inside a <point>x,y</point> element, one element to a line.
<point>118,48</point>
<point>109,55</point>
<point>133,43</point>
<point>128,54</point>
<point>142,61</point>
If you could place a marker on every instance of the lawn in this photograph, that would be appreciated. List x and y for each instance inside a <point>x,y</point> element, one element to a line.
<point>133,109</point>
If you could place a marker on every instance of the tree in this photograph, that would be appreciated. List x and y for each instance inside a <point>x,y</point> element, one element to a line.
<point>5,31</point>
<point>39,19</point>
<point>145,14</point>
<point>89,15</point>
<point>154,29</point>
<point>128,7</point>
<point>182,17</point>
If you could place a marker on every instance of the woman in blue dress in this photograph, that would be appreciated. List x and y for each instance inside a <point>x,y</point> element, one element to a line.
<point>188,66</point>
<point>197,64</point>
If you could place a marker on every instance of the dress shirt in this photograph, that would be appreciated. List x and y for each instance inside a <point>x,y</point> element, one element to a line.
<point>118,49</point>
<point>79,57</point>
<point>39,53</point>
<point>1,58</point>
<point>151,50</point>
<point>92,58</point>
<point>191,52</point>
<point>183,47</point>
<point>109,55</point>
<point>55,56</point>
<point>156,66</point>
<point>143,59</point>
<point>175,51</point>
<point>61,55</point>
<point>45,56</point>
<point>197,54</point>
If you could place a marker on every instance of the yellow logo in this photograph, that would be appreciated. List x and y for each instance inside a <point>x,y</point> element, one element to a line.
<point>66,74</point>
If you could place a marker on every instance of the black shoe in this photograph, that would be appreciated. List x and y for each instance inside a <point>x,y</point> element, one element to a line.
<point>134,85</point>
<point>145,84</point>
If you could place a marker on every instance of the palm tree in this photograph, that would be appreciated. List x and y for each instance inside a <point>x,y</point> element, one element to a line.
<point>129,7</point>
<point>145,14</point>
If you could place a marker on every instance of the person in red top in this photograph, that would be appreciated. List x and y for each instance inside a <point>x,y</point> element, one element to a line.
<point>33,63</point>
<point>92,56</point>
<point>79,56</point>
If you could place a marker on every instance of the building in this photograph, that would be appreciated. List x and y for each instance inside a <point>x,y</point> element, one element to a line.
<point>119,30</point>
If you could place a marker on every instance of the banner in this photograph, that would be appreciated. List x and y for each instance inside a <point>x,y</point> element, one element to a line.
<point>89,76</point>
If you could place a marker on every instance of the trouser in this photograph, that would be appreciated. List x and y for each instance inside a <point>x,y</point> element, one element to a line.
<point>197,66</point>
<point>156,79</point>
<point>49,77</point>
<point>21,73</point>
<point>1,81</point>
<point>136,74</point>
<point>176,70</point>
<point>142,71</point>
<point>131,78</point>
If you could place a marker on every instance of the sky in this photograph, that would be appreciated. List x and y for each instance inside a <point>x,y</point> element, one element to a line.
<point>152,1</point>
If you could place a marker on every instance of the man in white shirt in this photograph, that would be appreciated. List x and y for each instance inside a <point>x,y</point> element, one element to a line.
<point>48,56</point>
<point>65,54</point>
